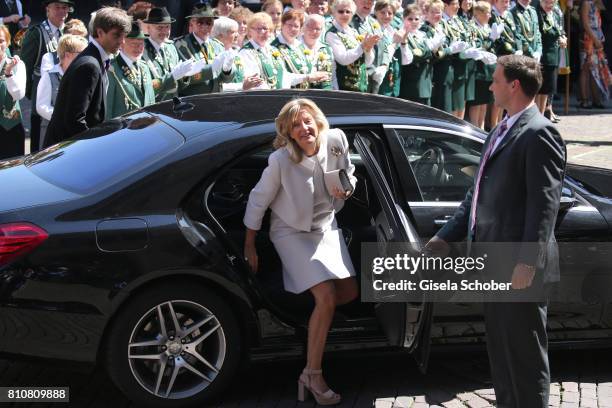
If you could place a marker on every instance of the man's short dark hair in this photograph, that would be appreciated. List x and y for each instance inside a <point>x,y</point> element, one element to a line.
<point>524,69</point>
<point>109,18</point>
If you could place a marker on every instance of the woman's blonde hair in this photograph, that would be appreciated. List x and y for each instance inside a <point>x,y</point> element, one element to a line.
<point>70,43</point>
<point>482,7</point>
<point>76,27</point>
<point>260,17</point>
<point>288,116</point>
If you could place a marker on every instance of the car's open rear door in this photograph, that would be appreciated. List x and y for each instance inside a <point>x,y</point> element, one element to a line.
<point>406,324</point>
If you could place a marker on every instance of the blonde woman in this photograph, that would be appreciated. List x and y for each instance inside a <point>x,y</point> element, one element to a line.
<point>353,52</point>
<point>69,47</point>
<point>261,59</point>
<point>303,227</point>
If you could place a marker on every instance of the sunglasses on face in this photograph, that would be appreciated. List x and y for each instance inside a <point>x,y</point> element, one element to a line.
<point>204,21</point>
<point>344,12</point>
<point>413,18</point>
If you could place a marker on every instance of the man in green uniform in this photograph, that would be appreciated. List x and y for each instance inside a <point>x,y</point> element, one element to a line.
<point>527,28</point>
<point>130,85</point>
<point>208,54</point>
<point>161,56</point>
<point>365,24</point>
<point>40,39</point>
<point>503,29</point>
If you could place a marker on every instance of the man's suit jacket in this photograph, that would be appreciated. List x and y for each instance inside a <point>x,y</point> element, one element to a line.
<point>80,102</point>
<point>519,195</point>
<point>5,12</point>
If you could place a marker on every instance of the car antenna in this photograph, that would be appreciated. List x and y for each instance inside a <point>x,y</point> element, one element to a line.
<point>179,106</point>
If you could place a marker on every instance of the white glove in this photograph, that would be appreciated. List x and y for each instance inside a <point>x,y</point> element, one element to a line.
<point>379,73</point>
<point>431,44</point>
<point>500,29</point>
<point>439,39</point>
<point>494,35</point>
<point>473,53</point>
<point>537,55</point>
<point>217,64</point>
<point>458,46</point>
<point>488,58</point>
<point>519,52</point>
<point>182,69</point>
<point>228,63</point>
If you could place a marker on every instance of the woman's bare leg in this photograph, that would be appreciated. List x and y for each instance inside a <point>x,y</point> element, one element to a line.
<point>346,290</point>
<point>541,102</point>
<point>318,326</point>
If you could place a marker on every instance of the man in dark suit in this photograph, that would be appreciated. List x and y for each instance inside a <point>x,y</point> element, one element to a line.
<point>80,102</point>
<point>515,198</point>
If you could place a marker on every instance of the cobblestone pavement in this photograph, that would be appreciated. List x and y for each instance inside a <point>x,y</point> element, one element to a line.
<point>580,379</point>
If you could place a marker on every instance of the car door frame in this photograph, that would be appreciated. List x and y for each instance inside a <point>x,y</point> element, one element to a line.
<point>397,318</point>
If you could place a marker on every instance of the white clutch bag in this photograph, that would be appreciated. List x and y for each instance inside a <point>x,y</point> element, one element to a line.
<point>337,179</point>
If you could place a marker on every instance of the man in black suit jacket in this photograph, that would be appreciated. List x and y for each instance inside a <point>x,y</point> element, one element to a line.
<point>515,198</point>
<point>80,102</point>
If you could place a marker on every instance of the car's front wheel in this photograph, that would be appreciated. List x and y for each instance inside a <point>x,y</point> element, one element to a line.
<point>173,346</point>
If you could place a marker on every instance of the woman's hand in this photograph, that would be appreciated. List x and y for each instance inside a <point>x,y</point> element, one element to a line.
<point>369,42</point>
<point>252,81</point>
<point>250,252</point>
<point>563,42</point>
<point>400,36</point>
<point>341,194</point>
<point>10,64</point>
<point>319,76</point>
<point>250,255</point>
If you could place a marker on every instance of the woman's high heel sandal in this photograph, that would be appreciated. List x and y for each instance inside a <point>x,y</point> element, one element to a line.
<point>322,397</point>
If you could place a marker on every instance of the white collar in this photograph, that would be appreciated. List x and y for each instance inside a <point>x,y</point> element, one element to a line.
<point>445,17</point>
<point>155,44</point>
<point>257,46</point>
<point>127,59</point>
<point>362,17</point>
<point>510,121</point>
<point>339,27</point>
<point>317,46</point>
<point>283,40</point>
<point>198,39</point>
<point>103,54</point>
<point>53,26</point>
<point>57,68</point>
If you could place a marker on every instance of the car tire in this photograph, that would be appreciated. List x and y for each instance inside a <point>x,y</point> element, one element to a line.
<point>136,337</point>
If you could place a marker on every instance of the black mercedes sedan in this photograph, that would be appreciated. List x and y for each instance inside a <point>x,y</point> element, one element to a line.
<point>123,246</point>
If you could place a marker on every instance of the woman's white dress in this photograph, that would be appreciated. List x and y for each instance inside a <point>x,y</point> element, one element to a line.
<point>312,257</point>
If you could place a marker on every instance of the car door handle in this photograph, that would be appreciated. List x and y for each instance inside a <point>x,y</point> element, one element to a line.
<point>441,221</point>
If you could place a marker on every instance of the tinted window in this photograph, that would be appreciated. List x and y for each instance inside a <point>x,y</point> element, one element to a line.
<point>444,164</point>
<point>105,154</point>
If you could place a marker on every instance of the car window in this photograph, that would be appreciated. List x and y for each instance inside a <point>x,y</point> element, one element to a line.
<point>104,154</point>
<point>444,164</point>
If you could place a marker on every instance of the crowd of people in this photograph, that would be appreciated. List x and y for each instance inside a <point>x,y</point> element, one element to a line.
<point>436,52</point>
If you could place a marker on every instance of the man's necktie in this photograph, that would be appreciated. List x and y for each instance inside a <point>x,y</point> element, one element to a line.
<point>106,66</point>
<point>501,130</point>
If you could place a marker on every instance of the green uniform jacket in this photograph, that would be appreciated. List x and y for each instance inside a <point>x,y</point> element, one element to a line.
<point>369,26</point>
<point>527,29</point>
<point>160,65</point>
<point>10,113</point>
<point>483,41</point>
<point>416,77</point>
<point>551,29</point>
<point>390,56</point>
<point>204,82</point>
<point>272,66</point>
<point>321,59</point>
<point>294,58</point>
<point>508,43</point>
<point>128,88</point>
<point>352,77</point>
<point>36,43</point>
